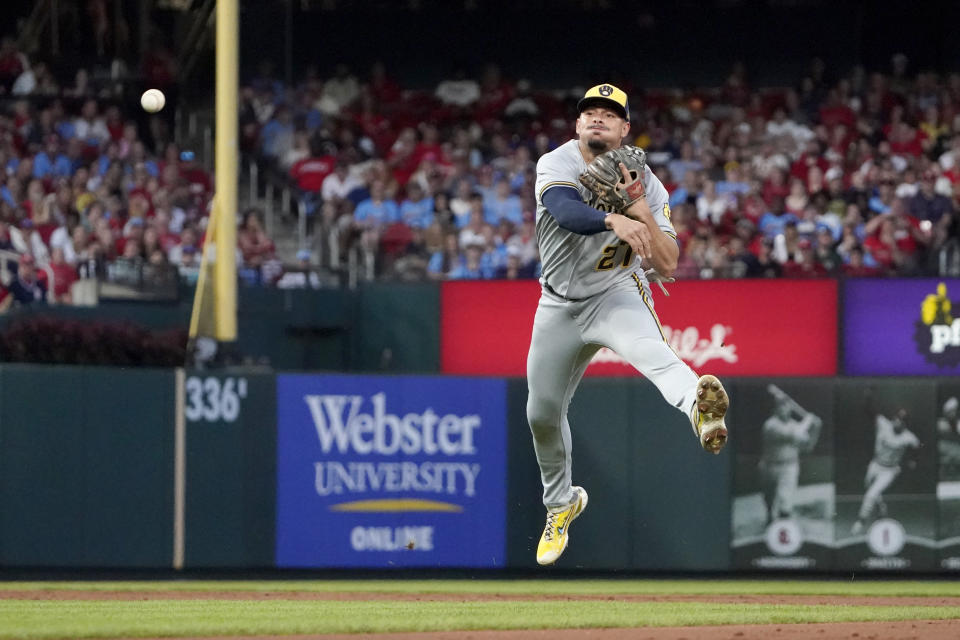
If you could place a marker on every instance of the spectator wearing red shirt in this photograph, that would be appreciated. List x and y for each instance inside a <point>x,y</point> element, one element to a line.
<point>804,263</point>
<point>894,239</point>
<point>64,275</point>
<point>161,224</point>
<point>310,172</point>
<point>811,156</point>
<point>253,241</point>
<point>371,122</point>
<point>198,181</point>
<point>429,147</point>
<point>403,159</point>
<point>114,122</point>
<point>35,196</point>
<point>835,112</point>
<point>906,140</point>
<point>12,63</point>
<point>495,94</point>
<point>855,267</point>
<point>776,187</point>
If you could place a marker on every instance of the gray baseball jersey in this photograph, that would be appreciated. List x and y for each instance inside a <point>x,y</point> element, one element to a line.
<point>578,266</point>
<point>595,295</point>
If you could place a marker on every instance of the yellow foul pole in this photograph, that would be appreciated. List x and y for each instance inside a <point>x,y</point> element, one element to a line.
<point>226,151</point>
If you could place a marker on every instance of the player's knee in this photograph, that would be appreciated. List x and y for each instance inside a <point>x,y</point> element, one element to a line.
<point>544,418</point>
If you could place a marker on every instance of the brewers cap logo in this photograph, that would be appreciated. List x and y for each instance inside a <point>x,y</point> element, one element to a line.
<point>609,95</point>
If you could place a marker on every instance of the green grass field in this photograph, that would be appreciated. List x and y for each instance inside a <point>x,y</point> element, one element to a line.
<point>48,618</point>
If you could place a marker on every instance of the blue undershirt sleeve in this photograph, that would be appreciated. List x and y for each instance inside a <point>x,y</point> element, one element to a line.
<point>572,213</point>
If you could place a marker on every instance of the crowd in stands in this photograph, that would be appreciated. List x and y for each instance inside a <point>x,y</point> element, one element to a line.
<point>91,187</point>
<point>856,175</point>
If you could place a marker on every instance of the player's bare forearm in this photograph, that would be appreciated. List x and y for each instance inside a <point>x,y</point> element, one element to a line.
<point>664,250</point>
<point>647,240</point>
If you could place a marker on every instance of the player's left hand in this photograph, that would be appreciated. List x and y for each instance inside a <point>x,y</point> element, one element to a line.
<point>634,233</point>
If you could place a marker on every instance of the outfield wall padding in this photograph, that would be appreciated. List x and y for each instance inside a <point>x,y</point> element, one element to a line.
<point>87,474</point>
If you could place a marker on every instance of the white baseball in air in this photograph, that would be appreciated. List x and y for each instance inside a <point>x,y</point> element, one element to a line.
<point>152,100</point>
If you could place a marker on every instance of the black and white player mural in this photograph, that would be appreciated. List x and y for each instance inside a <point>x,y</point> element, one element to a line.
<point>948,484</point>
<point>886,461</point>
<point>783,482</point>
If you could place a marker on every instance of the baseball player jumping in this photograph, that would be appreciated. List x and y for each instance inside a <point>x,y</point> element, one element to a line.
<point>604,231</point>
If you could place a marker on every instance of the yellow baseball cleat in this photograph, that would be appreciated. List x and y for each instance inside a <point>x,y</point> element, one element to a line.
<point>712,404</point>
<point>555,536</point>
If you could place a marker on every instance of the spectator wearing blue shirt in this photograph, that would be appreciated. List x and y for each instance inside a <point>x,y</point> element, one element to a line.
<point>416,210</point>
<point>65,129</point>
<point>51,162</point>
<point>110,155</point>
<point>688,191</point>
<point>687,162</point>
<point>880,202</point>
<point>494,251</point>
<point>484,184</point>
<point>12,192</point>
<point>377,211</point>
<point>449,258</point>
<point>733,181</point>
<point>276,137</point>
<point>503,205</point>
<point>472,267</point>
<point>75,154</point>
<point>772,222</point>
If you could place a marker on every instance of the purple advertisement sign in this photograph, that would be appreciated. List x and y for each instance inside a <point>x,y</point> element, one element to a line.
<point>901,327</point>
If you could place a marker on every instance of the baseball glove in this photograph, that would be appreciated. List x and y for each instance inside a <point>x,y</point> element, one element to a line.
<point>604,177</point>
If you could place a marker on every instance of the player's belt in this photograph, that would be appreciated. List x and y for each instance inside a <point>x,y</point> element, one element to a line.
<point>553,291</point>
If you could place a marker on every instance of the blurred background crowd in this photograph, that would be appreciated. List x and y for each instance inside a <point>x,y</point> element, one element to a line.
<point>851,172</point>
<point>855,175</point>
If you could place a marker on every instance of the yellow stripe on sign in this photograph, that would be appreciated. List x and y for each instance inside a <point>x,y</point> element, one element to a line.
<point>397,505</point>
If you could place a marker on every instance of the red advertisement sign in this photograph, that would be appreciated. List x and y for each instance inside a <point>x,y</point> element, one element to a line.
<point>724,327</point>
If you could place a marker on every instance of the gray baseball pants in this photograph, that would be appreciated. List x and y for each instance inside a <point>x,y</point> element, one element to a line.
<point>566,335</point>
